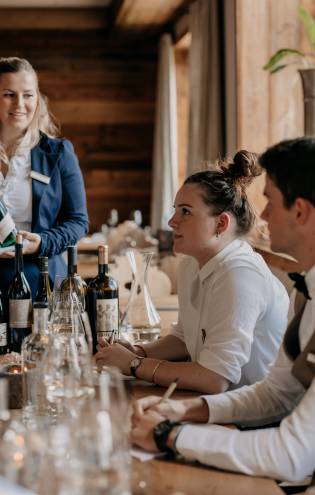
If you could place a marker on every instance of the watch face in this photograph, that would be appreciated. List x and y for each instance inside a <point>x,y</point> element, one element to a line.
<point>135,362</point>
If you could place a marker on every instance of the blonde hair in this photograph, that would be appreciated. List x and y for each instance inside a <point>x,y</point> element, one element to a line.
<point>43,120</point>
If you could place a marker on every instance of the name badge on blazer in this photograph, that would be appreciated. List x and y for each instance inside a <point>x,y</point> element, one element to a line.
<point>40,177</point>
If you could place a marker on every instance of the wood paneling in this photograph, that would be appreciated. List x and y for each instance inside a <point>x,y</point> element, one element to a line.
<point>52,18</point>
<point>269,107</point>
<point>101,87</point>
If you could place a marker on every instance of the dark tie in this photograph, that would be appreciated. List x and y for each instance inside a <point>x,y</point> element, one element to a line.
<point>299,283</point>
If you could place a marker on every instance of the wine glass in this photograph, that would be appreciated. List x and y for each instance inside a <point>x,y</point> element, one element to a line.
<point>67,375</point>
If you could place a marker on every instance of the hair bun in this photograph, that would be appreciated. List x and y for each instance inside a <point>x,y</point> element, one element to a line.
<point>244,167</point>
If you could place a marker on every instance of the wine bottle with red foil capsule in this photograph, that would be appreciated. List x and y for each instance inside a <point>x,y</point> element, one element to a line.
<point>20,301</point>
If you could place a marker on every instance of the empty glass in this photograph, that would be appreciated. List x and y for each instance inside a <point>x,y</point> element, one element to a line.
<point>67,375</point>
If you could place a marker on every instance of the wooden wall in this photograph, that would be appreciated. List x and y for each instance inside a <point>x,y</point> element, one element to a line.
<point>101,87</point>
<point>269,107</point>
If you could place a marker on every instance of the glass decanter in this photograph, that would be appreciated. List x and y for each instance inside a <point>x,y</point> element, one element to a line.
<point>140,321</point>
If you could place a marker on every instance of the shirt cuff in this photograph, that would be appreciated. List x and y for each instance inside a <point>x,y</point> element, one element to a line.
<point>220,408</point>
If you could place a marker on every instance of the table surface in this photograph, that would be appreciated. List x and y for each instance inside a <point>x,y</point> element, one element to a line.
<point>164,476</point>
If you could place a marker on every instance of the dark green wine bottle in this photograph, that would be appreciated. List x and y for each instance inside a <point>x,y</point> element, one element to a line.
<point>8,231</point>
<point>20,302</point>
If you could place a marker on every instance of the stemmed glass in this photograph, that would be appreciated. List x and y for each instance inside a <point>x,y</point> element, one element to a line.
<point>67,375</point>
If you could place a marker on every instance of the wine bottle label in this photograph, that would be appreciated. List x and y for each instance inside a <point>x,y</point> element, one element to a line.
<point>6,226</point>
<point>20,311</point>
<point>106,316</point>
<point>3,334</point>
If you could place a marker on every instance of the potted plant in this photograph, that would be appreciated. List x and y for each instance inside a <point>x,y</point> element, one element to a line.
<point>288,56</point>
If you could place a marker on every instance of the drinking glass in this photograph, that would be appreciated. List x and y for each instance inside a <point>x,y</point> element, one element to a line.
<point>67,376</point>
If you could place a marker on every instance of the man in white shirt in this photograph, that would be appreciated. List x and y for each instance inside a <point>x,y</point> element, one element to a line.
<point>284,452</point>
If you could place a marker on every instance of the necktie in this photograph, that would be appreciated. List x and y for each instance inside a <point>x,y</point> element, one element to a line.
<point>300,284</point>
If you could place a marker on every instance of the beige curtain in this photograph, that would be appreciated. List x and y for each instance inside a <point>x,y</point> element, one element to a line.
<point>206,111</point>
<point>165,139</point>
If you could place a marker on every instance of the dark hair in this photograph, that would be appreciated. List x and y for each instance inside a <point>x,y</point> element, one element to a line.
<point>291,165</point>
<point>224,188</point>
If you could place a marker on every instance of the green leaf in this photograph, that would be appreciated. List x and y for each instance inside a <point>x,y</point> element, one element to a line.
<point>279,55</point>
<point>309,24</point>
<point>279,67</point>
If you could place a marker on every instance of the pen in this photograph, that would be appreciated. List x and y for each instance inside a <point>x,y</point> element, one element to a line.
<point>170,390</point>
<point>112,337</point>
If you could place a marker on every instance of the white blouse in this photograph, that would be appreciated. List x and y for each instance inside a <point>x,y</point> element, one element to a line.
<point>232,313</point>
<point>16,187</point>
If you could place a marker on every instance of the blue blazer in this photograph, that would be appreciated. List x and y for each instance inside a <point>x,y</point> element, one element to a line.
<point>59,213</point>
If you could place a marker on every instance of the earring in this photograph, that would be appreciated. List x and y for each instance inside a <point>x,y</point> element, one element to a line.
<point>217,233</point>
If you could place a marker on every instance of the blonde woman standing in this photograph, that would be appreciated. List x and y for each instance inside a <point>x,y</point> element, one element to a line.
<point>40,180</point>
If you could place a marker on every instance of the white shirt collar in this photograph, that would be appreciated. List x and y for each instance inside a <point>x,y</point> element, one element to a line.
<point>310,282</point>
<point>23,147</point>
<point>212,264</point>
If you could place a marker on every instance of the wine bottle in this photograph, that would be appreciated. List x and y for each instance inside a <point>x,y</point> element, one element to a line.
<point>4,347</point>
<point>43,293</point>
<point>103,301</point>
<point>74,283</point>
<point>33,350</point>
<point>8,231</point>
<point>4,406</point>
<point>20,302</point>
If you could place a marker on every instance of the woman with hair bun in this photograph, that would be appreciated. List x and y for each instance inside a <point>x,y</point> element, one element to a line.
<point>232,310</point>
<point>40,180</point>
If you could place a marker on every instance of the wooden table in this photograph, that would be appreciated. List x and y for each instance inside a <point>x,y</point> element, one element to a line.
<point>168,477</point>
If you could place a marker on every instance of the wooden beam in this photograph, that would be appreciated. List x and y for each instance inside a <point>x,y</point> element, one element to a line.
<point>54,18</point>
<point>54,3</point>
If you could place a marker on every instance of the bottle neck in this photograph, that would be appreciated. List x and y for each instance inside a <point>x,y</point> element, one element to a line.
<point>102,261</point>
<point>72,270</point>
<point>4,400</point>
<point>19,266</point>
<point>102,269</point>
<point>43,285</point>
<point>40,316</point>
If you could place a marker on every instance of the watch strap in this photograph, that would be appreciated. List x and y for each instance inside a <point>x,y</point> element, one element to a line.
<point>161,433</point>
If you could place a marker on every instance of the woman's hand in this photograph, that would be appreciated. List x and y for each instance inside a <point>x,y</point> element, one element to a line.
<point>127,345</point>
<point>34,240</point>
<point>31,247</point>
<point>114,355</point>
<point>142,431</point>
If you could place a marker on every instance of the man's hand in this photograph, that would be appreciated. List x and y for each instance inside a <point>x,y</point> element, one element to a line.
<point>170,409</point>
<point>124,343</point>
<point>195,410</point>
<point>114,355</point>
<point>142,431</point>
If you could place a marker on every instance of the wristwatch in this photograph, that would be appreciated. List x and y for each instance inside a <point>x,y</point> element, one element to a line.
<point>134,365</point>
<point>161,433</point>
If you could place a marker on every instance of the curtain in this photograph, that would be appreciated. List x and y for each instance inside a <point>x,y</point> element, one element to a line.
<point>206,140</point>
<point>165,139</point>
